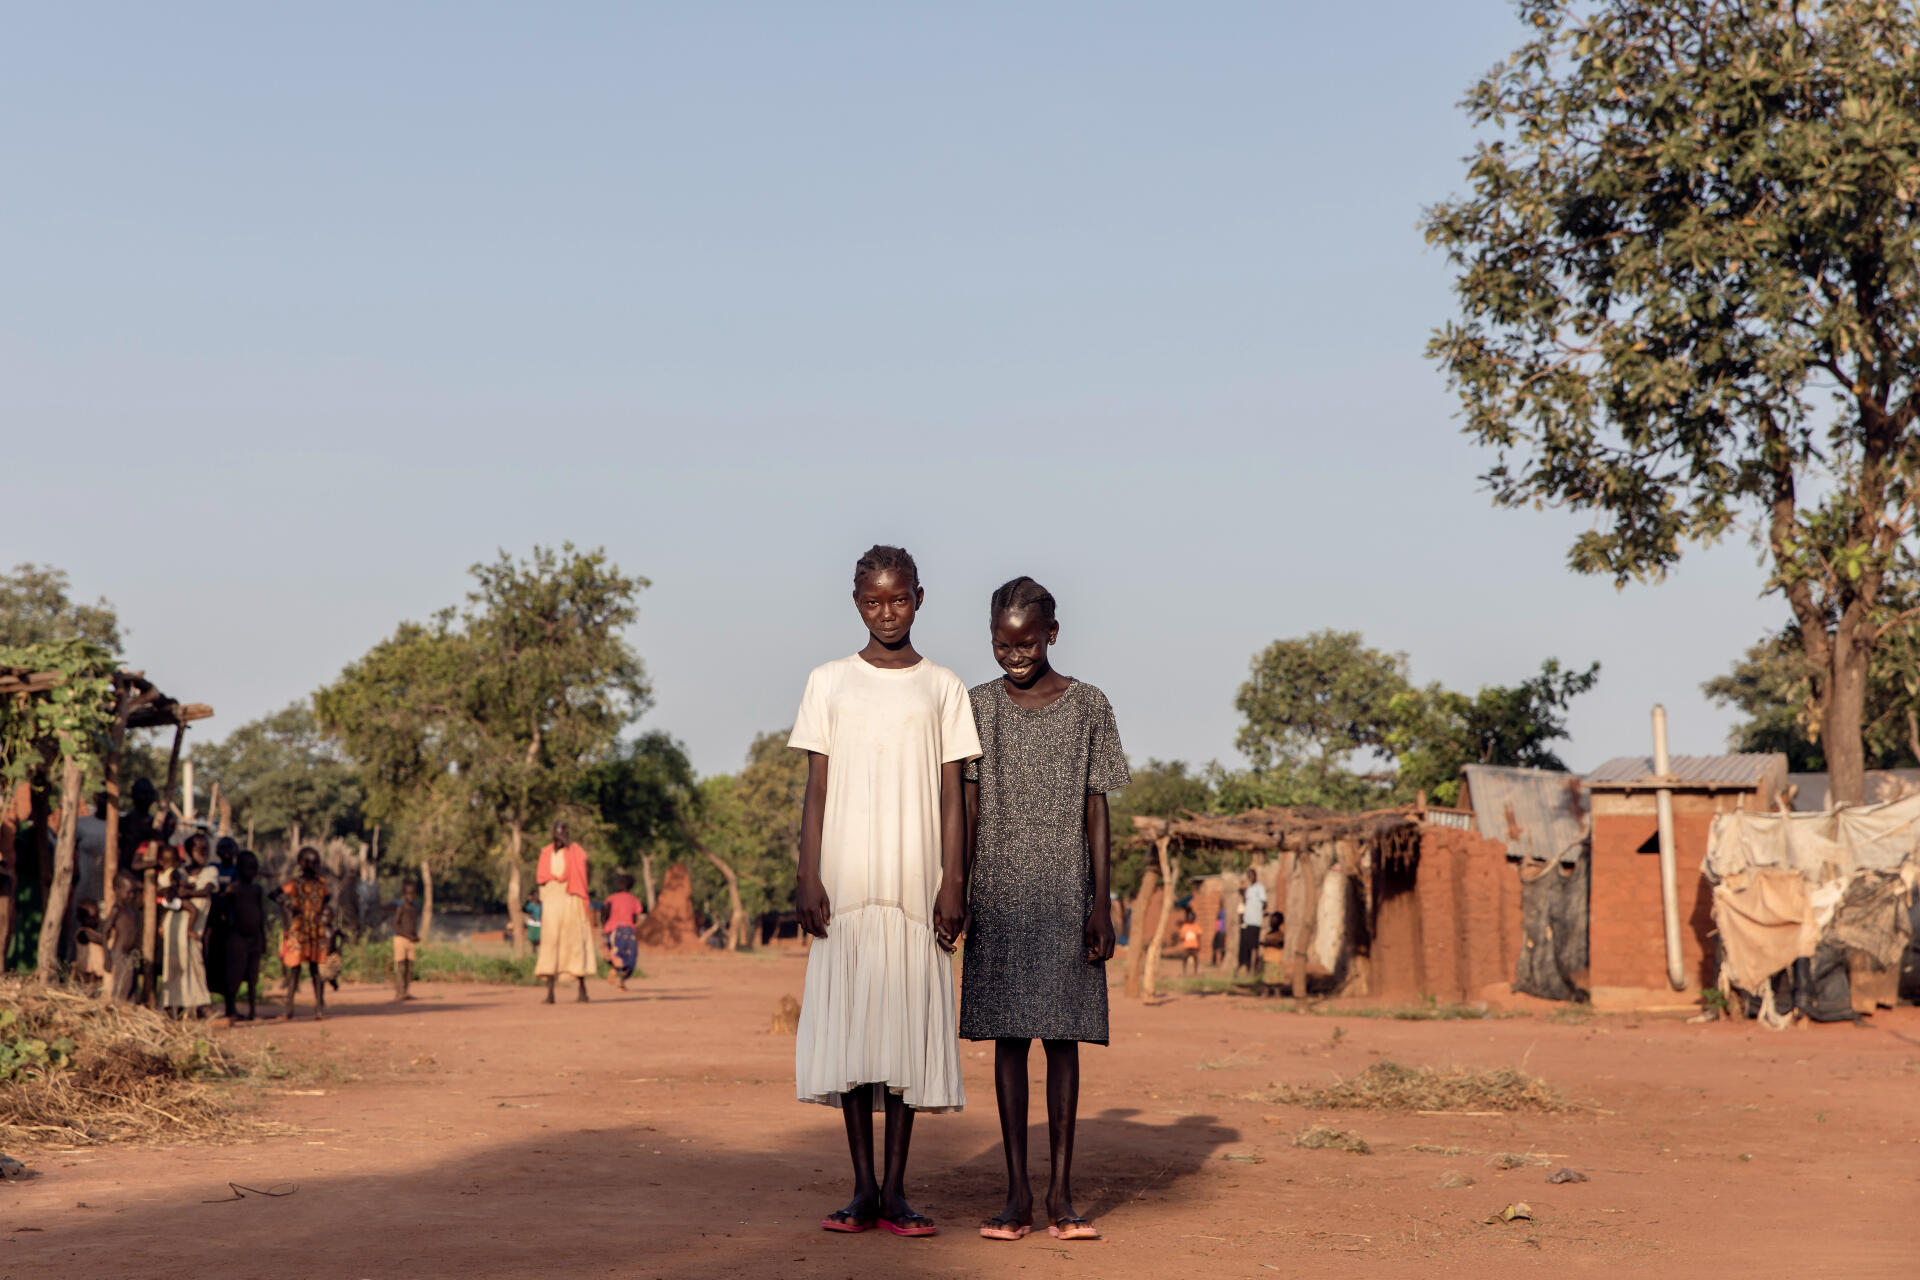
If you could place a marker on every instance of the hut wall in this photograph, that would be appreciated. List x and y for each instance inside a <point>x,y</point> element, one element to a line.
<point>1454,928</point>
<point>1625,933</point>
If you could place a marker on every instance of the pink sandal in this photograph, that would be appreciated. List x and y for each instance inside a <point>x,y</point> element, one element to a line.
<point>841,1220</point>
<point>1073,1229</point>
<point>913,1224</point>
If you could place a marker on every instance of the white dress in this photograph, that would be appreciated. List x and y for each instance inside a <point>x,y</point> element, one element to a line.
<point>879,1001</point>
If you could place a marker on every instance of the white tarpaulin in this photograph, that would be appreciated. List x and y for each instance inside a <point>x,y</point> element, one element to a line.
<point>1820,846</point>
<point>1859,866</point>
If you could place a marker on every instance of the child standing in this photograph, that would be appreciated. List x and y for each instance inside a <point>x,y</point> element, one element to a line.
<point>881,887</point>
<point>307,910</point>
<point>1041,934</point>
<point>123,935</point>
<point>1190,941</point>
<point>406,939</point>
<point>623,945</point>
<point>246,934</point>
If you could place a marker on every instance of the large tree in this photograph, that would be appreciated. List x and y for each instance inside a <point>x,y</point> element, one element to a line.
<point>284,771</point>
<point>1435,731</point>
<point>1771,686</point>
<point>509,700</point>
<point>643,791</point>
<point>1311,703</point>
<point>37,607</point>
<point>1690,298</point>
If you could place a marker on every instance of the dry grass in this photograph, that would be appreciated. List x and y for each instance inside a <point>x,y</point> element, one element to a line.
<point>1321,1138</point>
<point>81,1071</point>
<point>1390,1086</point>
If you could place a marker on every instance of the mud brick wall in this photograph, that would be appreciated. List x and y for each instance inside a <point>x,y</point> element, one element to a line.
<point>1456,927</point>
<point>1626,936</point>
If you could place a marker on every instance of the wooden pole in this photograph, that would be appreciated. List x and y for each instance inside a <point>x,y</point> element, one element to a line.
<point>1170,873</point>
<point>173,767</point>
<point>110,767</point>
<point>18,799</point>
<point>186,789</point>
<point>62,887</point>
<point>1137,933</point>
<point>426,898</point>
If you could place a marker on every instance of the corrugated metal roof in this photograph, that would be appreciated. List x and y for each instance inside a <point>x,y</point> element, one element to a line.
<point>1747,770</point>
<point>1537,813</point>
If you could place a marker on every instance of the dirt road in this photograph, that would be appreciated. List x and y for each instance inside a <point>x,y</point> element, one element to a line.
<point>476,1133</point>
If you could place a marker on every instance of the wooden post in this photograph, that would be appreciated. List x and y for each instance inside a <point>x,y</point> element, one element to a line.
<point>110,767</point>
<point>186,789</point>
<point>1170,873</point>
<point>646,878</point>
<point>18,800</point>
<point>173,767</point>
<point>426,898</point>
<point>1137,932</point>
<point>516,924</point>
<point>61,888</point>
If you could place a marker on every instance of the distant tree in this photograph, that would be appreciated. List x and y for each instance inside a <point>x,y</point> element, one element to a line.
<point>747,828</point>
<point>36,608</point>
<point>643,792</point>
<point>1312,702</point>
<point>514,697</point>
<point>1436,731</point>
<point>1772,688</point>
<point>553,683</point>
<point>1689,274</point>
<point>1159,789</point>
<point>284,771</point>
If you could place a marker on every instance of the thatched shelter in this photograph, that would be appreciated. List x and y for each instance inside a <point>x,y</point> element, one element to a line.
<point>1322,868</point>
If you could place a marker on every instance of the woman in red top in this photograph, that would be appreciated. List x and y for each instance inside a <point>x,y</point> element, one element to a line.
<point>566,928</point>
<point>623,945</point>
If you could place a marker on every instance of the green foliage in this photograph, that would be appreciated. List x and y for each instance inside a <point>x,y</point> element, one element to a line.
<point>1772,686</point>
<point>751,821</point>
<point>35,609</point>
<point>1435,731</point>
<point>486,719</point>
<point>371,960</point>
<point>641,793</point>
<point>1312,702</point>
<point>282,771</point>
<point>1692,224</point>
<point>26,1057</point>
<point>74,717</point>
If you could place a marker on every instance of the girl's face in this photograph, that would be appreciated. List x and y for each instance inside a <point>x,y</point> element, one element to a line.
<point>887,600</point>
<point>309,863</point>
<point>169,859</point>
<point>1020,641</point>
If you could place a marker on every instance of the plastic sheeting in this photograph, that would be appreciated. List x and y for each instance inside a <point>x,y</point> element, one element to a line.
<point>1820,846</point>
<point>1553,923</point>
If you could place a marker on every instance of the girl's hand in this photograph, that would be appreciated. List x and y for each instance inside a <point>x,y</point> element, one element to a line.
<point>810,902</point>
<point>949,915</point>
<point>1099,935</point>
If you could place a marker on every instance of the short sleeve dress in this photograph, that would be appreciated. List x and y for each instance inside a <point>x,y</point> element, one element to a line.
<point>878,1004</point>
<point>1026,974</point>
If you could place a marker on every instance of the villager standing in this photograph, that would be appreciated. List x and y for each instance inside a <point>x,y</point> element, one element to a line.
<point>1253,916</point>
<point>406,939</point>
<point>882,888</point>
<point>306,908</point>
<point>566,925</point>
<point>246,933</point>
<point>183,987</point>
<point>1040,933</point>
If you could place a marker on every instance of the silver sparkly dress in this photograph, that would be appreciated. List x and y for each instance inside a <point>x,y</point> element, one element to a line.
<point>1025,972</point>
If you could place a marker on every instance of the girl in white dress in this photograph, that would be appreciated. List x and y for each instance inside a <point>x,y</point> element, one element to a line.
<point>882,887</point>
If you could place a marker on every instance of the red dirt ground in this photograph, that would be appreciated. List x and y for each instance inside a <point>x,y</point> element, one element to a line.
<point>475,1133</point>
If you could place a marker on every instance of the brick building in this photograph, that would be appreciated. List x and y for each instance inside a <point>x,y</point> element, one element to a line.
<point>1627,935</point>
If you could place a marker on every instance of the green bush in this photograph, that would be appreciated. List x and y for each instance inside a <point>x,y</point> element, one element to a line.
<point>371,960</point>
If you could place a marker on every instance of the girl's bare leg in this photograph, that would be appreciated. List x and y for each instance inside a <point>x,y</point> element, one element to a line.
<point>1010,1091</point>
<point>893,1191</point>
<point>856,1105</point>
<point>293,989</point>
<point>319,992</point>
<point>1063,1106</point>
<point>582,997</point>
<point>551,979</point>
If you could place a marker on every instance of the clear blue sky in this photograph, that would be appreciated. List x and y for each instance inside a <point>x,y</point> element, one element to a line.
<point>303,312</point>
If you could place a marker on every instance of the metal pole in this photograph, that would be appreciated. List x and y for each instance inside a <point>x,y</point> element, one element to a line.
<point>1669,874</point>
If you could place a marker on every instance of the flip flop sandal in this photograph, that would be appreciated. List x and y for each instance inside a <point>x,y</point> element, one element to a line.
<point>841,1220</point>
<point>913,1224</point>
<point>1073,1229</point>
<point>1004,1229</point>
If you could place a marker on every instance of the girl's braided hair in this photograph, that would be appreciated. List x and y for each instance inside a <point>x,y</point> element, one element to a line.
<point>1023,595</point>
<point>881,559</point>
